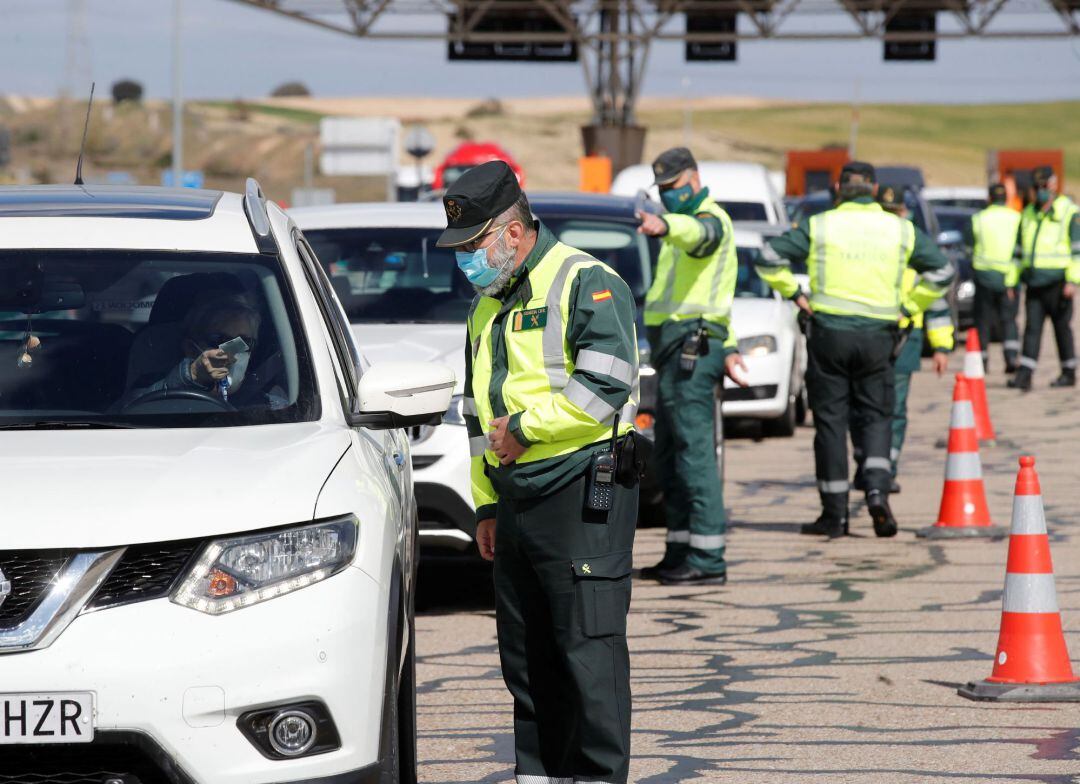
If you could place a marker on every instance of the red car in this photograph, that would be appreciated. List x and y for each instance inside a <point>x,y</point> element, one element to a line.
<point>469,154</point>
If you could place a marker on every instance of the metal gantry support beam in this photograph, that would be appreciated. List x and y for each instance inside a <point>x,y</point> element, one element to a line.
<point>614,36</point>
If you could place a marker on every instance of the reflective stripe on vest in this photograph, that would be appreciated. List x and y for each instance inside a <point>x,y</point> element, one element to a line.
<point>995,230</point>
<point>539,362</point>
<point>858,254</point>
<point>1044,238</point>
<point>691,287</point>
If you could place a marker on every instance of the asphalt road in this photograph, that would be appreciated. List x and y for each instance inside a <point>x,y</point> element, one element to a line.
<point>818,662</point>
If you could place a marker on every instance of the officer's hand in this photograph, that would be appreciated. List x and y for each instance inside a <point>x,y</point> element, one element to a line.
<point>503,443</point>
<point>1068,291</point>
<point>485,538</point>
<point>210,367</point>
<point>651,225</point>
<point>1011,294</point>
<point>941,362</point>
<point>804,304</point>
<point>732,363</point>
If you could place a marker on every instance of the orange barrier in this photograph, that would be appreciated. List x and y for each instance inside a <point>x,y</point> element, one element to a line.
<point>1032,662</point>
<point>963,510</point>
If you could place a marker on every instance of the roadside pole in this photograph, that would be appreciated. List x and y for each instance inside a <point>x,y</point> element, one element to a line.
<point>178,98</point>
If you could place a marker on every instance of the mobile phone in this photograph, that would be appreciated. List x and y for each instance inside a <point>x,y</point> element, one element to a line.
<point>234,346</point>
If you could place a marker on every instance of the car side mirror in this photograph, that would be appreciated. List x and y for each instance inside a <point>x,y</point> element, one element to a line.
<point>403,394</point>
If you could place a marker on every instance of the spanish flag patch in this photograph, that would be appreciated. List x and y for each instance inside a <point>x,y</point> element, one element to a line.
<point>600,296</point>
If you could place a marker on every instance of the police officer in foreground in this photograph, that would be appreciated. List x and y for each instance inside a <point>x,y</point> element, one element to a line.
<point>1049,246</point>
<point>991,234</point>
<point>935,324</point>
<point>856,254</point>
<point>551,369</point>
<point>688,318</point>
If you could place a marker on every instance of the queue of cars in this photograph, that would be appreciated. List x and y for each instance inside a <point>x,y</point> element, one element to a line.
<point>400,292</point>
<point>198,586</point>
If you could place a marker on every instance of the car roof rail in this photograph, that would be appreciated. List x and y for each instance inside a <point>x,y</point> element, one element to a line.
<point>258,217</point>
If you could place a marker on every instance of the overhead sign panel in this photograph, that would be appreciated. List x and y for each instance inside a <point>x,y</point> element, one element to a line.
<point>918,29</point>
<point>504,34</point>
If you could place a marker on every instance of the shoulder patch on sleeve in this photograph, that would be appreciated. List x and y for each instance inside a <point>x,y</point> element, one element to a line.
<point>600,296</point>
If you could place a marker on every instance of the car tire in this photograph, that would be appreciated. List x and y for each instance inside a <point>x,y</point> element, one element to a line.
<point>407,766</point>
<point>802,406</point>
<point>784,425</point>
<point>718,442</point>
<point>390,753</point>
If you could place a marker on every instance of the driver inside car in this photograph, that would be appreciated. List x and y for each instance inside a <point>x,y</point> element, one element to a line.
<point>218,319</point>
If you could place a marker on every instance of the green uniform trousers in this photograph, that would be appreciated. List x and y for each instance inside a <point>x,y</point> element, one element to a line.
<point>685,459</point>
<point>850,379</point>
<point>906,364</point>
<point>562,587</point>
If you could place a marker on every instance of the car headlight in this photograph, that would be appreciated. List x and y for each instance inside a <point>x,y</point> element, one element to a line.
<point>757,345</point>
<point>454,414</point>
<point>966,290</point>
<point>236,572</point>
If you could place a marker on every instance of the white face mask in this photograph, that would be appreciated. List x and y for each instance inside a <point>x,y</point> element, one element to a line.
<point>238,370</point>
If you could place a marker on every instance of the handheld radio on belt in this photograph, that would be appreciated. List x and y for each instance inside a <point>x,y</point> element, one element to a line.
<point>601,491</point>
<point>695,345</point>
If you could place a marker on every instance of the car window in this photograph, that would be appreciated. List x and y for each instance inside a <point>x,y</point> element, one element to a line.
<point>747,282</point>
<point>334,315</point>
<point>150,339</point>
<point>392,275</point>
<point>744,210</point>
<point>615,243</point>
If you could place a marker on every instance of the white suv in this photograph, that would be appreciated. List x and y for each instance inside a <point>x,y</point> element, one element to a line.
<point>208,538</point>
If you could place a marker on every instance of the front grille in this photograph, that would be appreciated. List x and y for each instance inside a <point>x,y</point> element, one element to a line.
<point>147,571</point>
<point>31,573</point>
<point>79,764</point>
<point>741,394</point>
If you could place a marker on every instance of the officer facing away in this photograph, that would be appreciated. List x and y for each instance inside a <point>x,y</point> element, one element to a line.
<point>551,367</point>
<point>856,255</point>
<point>937,326</point>
<point>1049,249</point>
<point>688,318</point>
<point>991,234</point>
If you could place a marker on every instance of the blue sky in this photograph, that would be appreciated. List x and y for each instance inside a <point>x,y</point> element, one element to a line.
<point>235,51</point>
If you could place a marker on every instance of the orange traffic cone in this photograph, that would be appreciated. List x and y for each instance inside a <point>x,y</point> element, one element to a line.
<point>963,509</point>
<point>1032,663</point>
<point>973,372</point>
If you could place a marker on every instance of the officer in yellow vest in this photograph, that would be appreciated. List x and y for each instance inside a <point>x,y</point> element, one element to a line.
<point>688,318</point>
<point>991,235</point>
<point>856,255</point>
<point>935,324</point>
<point>1049,248</point>
<point>551,371</point>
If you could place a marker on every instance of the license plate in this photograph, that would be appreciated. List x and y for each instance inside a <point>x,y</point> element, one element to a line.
<point>47,718</point>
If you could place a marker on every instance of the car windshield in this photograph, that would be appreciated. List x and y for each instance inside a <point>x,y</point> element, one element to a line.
<point>744,210</point>
<point>747,283</point>
<point>397,275</point>
<point>149,339</point>
<point>954,219</point>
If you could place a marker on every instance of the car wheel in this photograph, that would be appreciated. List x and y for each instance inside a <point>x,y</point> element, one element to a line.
<point>407,714</point>
<point>391,736</point>
<point>784,425</point>
<point>718,441</point>
<point>802,406</point>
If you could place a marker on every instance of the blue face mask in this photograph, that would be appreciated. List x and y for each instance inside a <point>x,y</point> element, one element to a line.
<point>675,199</point>
<point>474,263</point>
<point>1043,196</point>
